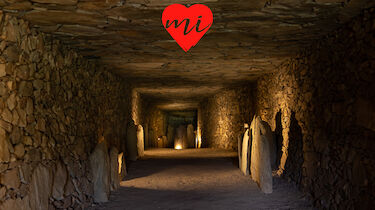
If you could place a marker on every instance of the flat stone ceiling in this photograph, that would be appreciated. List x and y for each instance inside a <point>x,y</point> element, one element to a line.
<point>246,40</point>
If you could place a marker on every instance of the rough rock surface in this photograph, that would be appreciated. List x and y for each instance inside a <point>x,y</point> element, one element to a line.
<point>4,147</point>
<point>265,130</point>
<point>53,102</point>
<point>326,130</point>
<point>140,141</point>
<point>101,176</point>
<point>59,181</point>
<point>246,40</point>
<point>40,188</point>
<point>222,116</point>
<point>245,164</point>
<point>260,167</point>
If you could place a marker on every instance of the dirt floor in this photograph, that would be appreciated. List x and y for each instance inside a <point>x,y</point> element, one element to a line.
<point>197,179</point>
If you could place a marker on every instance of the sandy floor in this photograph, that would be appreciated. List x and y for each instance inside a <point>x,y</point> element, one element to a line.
<point>197,179</point>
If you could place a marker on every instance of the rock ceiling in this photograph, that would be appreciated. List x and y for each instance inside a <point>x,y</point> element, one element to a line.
<point>247,38</point>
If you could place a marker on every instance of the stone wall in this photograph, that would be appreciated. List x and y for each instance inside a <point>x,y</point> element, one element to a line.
<point>156,122</point>
<point>321,105</point>
<point>137,108</point>
<point>54,106</point>
<point>221,117</point>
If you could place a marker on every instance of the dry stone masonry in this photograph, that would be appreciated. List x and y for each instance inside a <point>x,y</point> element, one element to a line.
<point>69,121</point>
<point>324,102</point>
<point>53,103</point>
<point>222,117</point>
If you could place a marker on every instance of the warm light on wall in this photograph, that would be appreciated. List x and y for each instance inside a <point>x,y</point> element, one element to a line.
<point>120,162</point>
<point>178,146</point>
<point>198,139</point>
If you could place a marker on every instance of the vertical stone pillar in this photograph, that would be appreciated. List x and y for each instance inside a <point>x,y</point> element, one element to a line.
<point>245,153</point>
<point>260,167</point>
<point>140,141</point>
<point>99,162</point>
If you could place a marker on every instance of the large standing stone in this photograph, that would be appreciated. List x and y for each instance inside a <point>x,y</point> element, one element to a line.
<point>261,171</point>
<point>131,141</point>
<point>190,136</point>
<point>4,149</point>
<point>266,130</point>
<point>99,162</point>
<point>245,153</point>
<point>40,188</point>
<point>113,156</point>
<point>180,140</point>
<point>59,181</point>
<point>140,141</point>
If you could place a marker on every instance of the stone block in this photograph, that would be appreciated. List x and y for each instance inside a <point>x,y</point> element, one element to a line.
<point>4,146</point>
<point>40,188</point>
<point>100,168</point>
<point>261,171</point>
<point>245,153</point>
<point>59,181</point>
<point>140,141</point>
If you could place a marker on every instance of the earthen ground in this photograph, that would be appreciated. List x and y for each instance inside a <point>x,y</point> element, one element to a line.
<point>197,179</point>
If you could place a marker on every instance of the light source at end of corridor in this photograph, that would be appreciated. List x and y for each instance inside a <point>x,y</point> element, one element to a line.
<point>178,146</point>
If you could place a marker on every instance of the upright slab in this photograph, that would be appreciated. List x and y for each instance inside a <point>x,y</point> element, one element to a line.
<point>100,167</point>
<point>267,132</point>
<point>131,142</point>
<point>140,141</point>
<point>260,168</point>
<point>190,136</point>
<point>244,155</point>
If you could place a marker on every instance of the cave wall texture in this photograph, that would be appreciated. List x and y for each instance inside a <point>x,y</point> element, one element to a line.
<point>221,117</point>
<point>322,108</point>
<point>156,122</point>
<point>54,106</point>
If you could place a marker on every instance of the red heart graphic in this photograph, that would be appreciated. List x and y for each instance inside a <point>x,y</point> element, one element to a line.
<point>187,25</point>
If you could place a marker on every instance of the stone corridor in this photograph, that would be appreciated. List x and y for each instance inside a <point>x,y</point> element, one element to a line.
<point>100,108</point>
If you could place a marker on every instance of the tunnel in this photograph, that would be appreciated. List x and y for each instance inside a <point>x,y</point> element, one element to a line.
<point>103,107</point>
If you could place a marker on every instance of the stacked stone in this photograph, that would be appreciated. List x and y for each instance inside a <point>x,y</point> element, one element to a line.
<point>326,99</point>
<point>222,117</point>
<point>51,106</point>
